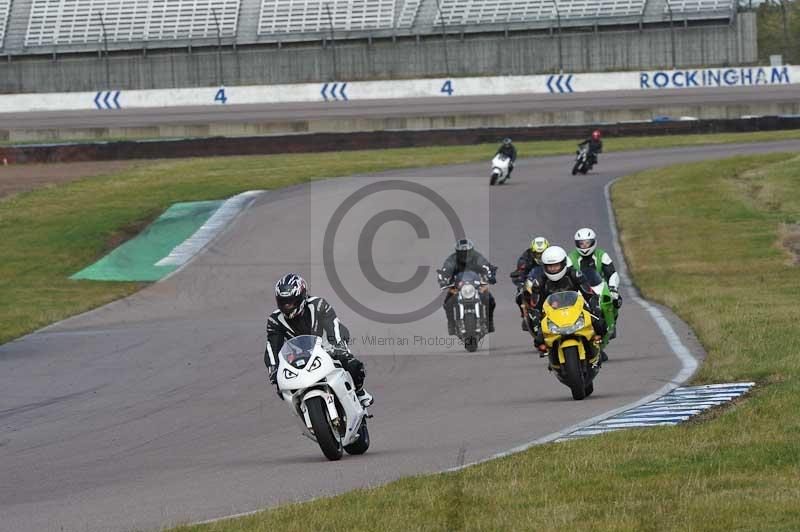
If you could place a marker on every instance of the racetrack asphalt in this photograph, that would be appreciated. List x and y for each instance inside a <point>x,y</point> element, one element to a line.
<point>737,97</point>
<point>155,410</point>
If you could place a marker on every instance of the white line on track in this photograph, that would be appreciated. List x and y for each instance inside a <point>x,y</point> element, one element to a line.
<point>190,247</point>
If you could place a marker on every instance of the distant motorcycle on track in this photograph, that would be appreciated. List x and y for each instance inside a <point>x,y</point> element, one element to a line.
<point>583,161</point>
<point>500,166</point>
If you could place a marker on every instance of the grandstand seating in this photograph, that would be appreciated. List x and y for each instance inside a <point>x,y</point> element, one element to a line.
<point>408,13</point>
<point>695,6</point>
<point>34,26</point>
<point>306,16</point>
<point>5,11</point>
<point>473,12</point>
<point>79,21</point>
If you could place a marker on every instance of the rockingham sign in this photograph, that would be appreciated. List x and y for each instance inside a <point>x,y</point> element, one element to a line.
<point>341,92</point>
<point>715,77</point>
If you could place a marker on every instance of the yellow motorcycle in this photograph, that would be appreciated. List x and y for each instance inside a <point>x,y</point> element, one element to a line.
<point>573,347</point>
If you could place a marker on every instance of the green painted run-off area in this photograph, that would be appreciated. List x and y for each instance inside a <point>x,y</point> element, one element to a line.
<point>136,259</point>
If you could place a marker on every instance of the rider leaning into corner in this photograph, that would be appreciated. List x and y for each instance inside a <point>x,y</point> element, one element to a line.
<point>298,314</point>
<point>595,146</point>
<point>467,258</point>
<point>508,149</point>
<point>530,259</point>
<point>558,275</point>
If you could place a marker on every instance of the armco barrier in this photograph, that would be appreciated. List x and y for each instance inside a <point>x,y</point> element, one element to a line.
<point>322,142</point>
<point>340,92</point>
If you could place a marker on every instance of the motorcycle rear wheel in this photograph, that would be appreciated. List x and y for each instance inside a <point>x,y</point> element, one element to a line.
<point>574,373</point>
<point>330,445</point>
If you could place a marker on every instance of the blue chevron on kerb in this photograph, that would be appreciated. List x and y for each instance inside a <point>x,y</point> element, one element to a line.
<point>563,83</point>
<point>675,407</point>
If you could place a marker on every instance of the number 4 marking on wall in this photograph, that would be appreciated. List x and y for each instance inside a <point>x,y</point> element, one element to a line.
<point>220,97</point>
<point>447,88</point>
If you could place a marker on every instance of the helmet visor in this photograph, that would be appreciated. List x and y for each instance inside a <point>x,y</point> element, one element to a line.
<point>584,244</point>
<point>554,268</point>
<point>288,304</point>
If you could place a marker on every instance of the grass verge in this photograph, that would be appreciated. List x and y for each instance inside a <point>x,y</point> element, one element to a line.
<point>704,239</point>
<point>49,234</point>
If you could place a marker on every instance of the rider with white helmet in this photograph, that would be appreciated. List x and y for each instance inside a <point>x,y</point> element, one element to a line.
<point>587,255</point>
<point>558,275</point>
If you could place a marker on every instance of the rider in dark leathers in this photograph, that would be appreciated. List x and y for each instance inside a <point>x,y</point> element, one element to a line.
<point>298,314</point>
<point>595,146</point>
<point>466,258</point>
<point>529,259</point>
<point>557,275</point>
<point>508,149</point>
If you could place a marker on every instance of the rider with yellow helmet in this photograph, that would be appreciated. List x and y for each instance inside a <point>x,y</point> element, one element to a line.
<point>530,259</point>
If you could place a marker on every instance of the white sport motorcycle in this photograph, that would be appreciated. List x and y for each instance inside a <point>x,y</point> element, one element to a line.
<point>500,165</point>
<point>323,396</point>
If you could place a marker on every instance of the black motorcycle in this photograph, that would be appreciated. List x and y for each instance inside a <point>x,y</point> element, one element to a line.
<point>583,161</point>
<point>470,311</point>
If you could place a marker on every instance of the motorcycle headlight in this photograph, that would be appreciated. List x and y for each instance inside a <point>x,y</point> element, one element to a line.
<point>570,329</point>
<point>315,364</point>
<point>287,374</point>
<point>468,291</point>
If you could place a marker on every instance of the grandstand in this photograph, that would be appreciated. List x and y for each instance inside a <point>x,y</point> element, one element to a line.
<point>41,26</point>
<point>698,7</point>
<point>5,10</point>
<point>91,21</point>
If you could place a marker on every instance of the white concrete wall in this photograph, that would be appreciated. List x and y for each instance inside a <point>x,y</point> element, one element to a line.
<point>402,89</point>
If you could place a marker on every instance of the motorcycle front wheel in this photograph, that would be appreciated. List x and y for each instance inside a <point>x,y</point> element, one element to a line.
<point>575,168</point>
<point>323,429</point>
<point>493,180</point>
<point>574,373</point>
<point>470,341</point>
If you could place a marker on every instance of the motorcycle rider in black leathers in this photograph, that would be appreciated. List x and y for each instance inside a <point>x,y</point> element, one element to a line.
<point>557,275</point>
<point>298,314</point>
<point>508,149</point>
<point>595,146</point>
<point>466,258</point>
<point>529,259</point>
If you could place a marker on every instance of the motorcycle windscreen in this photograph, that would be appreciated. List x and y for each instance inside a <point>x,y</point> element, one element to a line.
<point>298,351</point>
<point>468,276</point>
<point>562,299</point>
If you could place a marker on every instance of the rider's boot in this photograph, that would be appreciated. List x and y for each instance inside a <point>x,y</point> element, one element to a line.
<point>364,397</point>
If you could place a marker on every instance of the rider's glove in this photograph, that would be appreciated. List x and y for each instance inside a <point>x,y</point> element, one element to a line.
<point>617,299</point>
<point>272,372</point>
<point>341,352</point>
